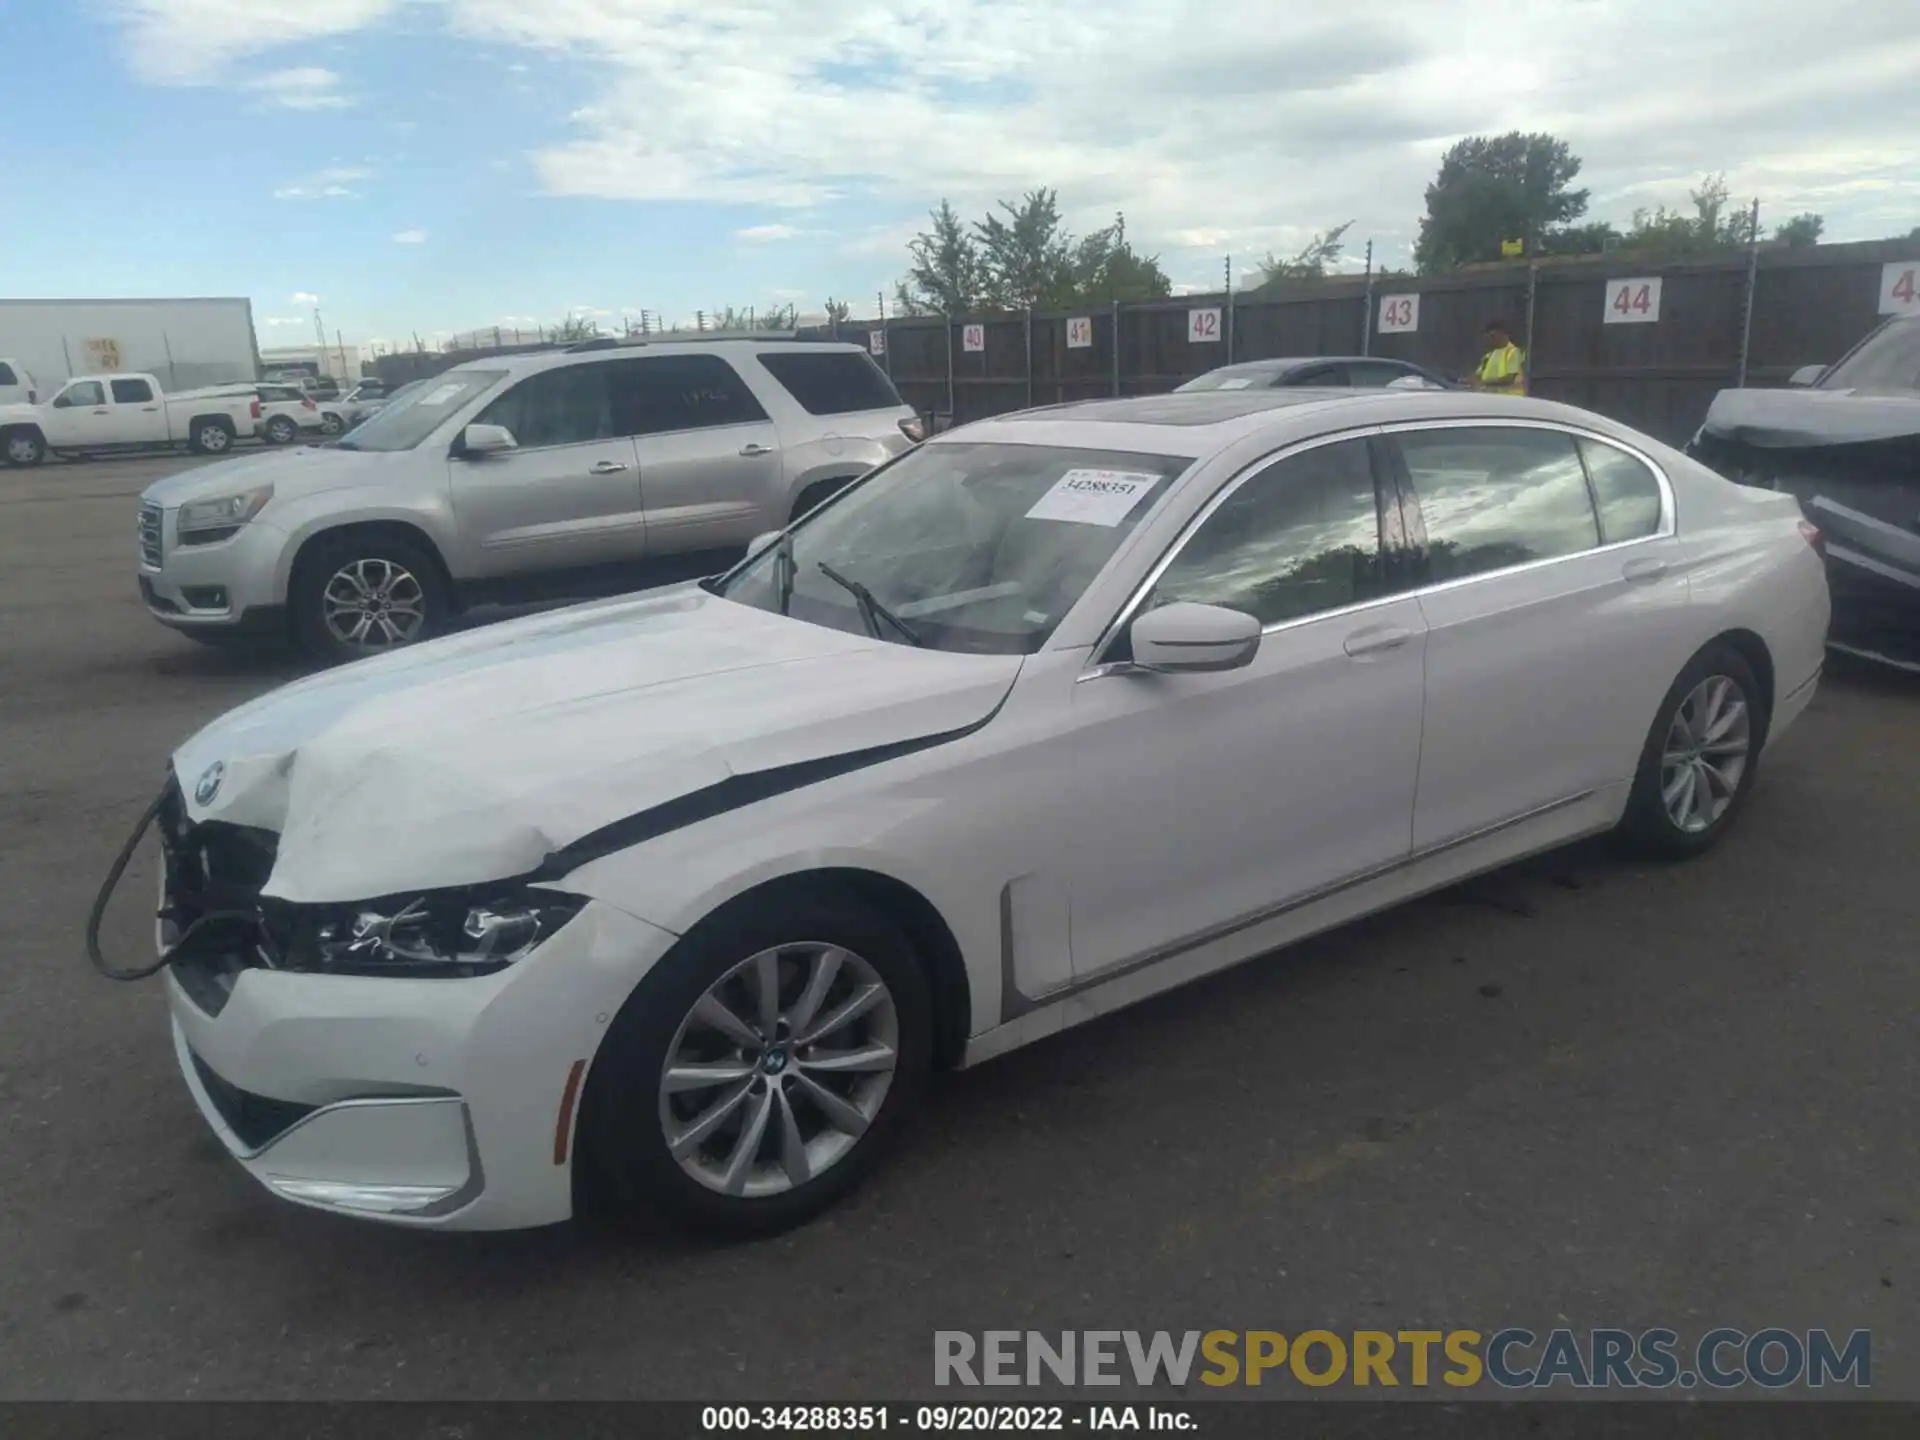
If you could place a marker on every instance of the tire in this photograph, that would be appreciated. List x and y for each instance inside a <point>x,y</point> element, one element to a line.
<point>332,424</point>
<point>334,573</point>
<point>281,431</point>
<point>817,494</point>
<point>211,436</point>
<point>23,448</point>
<point>628,1166</point>
<point>1670,816</point>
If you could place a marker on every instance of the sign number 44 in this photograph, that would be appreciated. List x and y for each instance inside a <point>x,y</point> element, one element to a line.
<point>1633,302</point>
<point>1900,288</point>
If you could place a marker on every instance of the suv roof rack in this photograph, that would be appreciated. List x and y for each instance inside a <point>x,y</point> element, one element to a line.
<point>621,342</point>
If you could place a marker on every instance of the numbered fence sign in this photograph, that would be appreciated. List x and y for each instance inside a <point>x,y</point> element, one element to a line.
<point>973,338</point>
<point>1080,333</point>
<point>876,342</point>
<point>1900,288</point>
<point>1633,302</point>
<point>1203,327</point>
<point>1399,314</point>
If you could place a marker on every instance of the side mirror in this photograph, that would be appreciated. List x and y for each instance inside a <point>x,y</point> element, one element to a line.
<point>761,542</point>
<point>1183,637</point>
<point>487,440</point>
<point>1807,376</point>
<point>63,402</point>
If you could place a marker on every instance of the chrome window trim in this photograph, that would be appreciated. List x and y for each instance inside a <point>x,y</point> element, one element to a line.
<point>1666,529</point>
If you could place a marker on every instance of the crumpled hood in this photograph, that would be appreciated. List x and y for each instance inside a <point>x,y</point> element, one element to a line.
<point>1793,419</point>
<point>306,470</point>
<point>475,757</point>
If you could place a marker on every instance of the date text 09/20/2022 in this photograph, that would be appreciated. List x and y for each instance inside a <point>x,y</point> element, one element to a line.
<point>941,1419</point>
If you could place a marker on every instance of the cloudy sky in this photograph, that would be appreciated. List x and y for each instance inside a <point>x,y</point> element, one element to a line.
<point>436,165</point>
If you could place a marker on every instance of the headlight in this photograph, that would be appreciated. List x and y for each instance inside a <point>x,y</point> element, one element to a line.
<point>439,933</point>
<point>229,512</point>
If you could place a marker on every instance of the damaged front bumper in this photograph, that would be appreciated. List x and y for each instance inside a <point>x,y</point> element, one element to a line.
<point>431,1101</point>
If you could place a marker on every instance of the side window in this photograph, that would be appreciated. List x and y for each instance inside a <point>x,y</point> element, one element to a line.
<point>131,392</point>
<point>1319,375</point>
<point>1301,538</point>
<point>556,407</point>
<point>1375,374</point>
<point>1625,492</point>
<point>1493,497</point>
<point>660,394</point>
<point>832,382</point>
<point>7,377</point>
<point>85,392</point>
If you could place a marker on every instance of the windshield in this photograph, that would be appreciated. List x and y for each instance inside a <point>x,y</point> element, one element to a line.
<point>978,548</point>
<point>405,420</point>
<point>1888,359</point>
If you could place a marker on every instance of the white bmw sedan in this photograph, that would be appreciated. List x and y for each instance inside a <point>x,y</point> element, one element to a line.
<point>674,901</point>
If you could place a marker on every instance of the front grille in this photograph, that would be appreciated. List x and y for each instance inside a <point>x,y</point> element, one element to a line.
<point>255,1119</point>
<point>150,546</point>
<point>214,867</point>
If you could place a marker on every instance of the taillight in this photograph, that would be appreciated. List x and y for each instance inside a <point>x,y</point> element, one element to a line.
<point>33,397</point>
<point>308,405</point>
<point>256,408</point>
<point>914,429</point>
<point>1810,533</point>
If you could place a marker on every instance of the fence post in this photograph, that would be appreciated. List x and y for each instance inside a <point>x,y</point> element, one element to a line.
<point>1753,281</point>
<point>946,323</point>
<point>1229,309</point>
<point>1029,357</point>
<point>1116,347</point>
<point>1366,318</point>
<point>1526,352</point>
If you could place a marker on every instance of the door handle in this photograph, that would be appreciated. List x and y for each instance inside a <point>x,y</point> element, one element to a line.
<point>103,411</point>
<point>607,467</point>
<point>1375,639</point>
<point>752,449</point>
<point>1642,570</point>
<point>150,409</point>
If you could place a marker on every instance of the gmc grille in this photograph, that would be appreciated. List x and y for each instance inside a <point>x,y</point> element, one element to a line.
<point>150,536</point>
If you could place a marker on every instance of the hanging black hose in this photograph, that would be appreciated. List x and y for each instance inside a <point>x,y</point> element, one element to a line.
<point>120,862</point>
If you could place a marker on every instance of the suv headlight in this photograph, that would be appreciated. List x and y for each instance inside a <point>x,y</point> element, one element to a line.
<point>456,933</point>
<point>229,512</point>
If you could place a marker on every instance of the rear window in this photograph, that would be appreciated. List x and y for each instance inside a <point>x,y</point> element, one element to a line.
<point>7,377</point>
<point>833,382</point>
<point>131,392</point>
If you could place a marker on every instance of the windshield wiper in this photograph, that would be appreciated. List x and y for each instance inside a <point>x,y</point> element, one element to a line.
<point>871,610</point>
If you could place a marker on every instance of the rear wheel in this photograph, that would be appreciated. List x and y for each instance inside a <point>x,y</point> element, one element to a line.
<point>331,423</point>
<point>365,593</point>
<point>1700,759</point>
<point>24,448</point>
<point>762,1069</point>
<point>212,436</point>
<point>282,431</point>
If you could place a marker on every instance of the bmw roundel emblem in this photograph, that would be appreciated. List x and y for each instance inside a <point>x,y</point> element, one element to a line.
<point>209,783</point>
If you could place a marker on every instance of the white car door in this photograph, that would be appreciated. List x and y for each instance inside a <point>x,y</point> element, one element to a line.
<point>77,416</point>
<point>1206,802</point>
<point>568,495</point>
<point>134,413</point>
<point>710,463</point>
<point>1553,633</point>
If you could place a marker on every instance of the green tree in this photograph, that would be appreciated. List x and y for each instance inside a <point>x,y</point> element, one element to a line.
<point>1103,267</point>
<point>838,312</point>
<point>1493,188</point>
<point>1316,258</point>
<point>1592,238</point>
<point>946,276</point>
<point>1710,227</point>
<point>1027,254</point>
<point>576,327</point>
<point>1801,230</point>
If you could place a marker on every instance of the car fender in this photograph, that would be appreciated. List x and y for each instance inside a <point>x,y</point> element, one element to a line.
<point>430,512</point>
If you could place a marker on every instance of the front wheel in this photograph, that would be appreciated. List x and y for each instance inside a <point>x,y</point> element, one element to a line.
<point>356,595</point>
<point>331,423</point>
<point>762,1069</point>
<point>24,448</point>
<point>211,437</point>
<point>1700,759</point>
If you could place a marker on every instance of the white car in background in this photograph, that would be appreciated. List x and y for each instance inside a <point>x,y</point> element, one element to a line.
<point>366,399</point>
<point>286,413</point>
<point>681,896</point>
<point>109,414</point>
<point>17,385</point>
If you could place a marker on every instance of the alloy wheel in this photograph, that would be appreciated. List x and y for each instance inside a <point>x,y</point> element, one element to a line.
<point>22,450</point>
<point>374,604</point>
<point>779,1069</point>
<point>1705,758</point>
<point>213,438</point>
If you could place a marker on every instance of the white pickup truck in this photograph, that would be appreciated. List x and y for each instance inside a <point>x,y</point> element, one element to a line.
<point>93,414</point>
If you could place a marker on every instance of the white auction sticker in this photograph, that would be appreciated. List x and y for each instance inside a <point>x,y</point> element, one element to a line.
<point>440,395</point>
<point>1093,497</point>
<point>1239,382</point>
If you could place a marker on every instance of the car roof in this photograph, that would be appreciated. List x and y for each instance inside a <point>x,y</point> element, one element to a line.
<point>530,363</point>
<point>1280,364</point>
<point>1199,423</point>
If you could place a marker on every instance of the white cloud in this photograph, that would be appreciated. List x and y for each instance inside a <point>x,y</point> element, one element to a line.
<point>1248,131</point>
<point>331,183</point>
<point>306,87</point>
<point>304,297</point>
<point>279,320</point>
<point>409,237</point>
<point>764,234</point>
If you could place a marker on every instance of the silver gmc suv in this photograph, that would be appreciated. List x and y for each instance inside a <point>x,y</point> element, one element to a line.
<point>569,474</point>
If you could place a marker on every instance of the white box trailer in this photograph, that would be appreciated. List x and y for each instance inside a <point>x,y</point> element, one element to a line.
<point>187,343</point>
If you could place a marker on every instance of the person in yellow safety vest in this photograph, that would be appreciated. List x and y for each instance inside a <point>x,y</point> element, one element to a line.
<point>1503,369</point>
